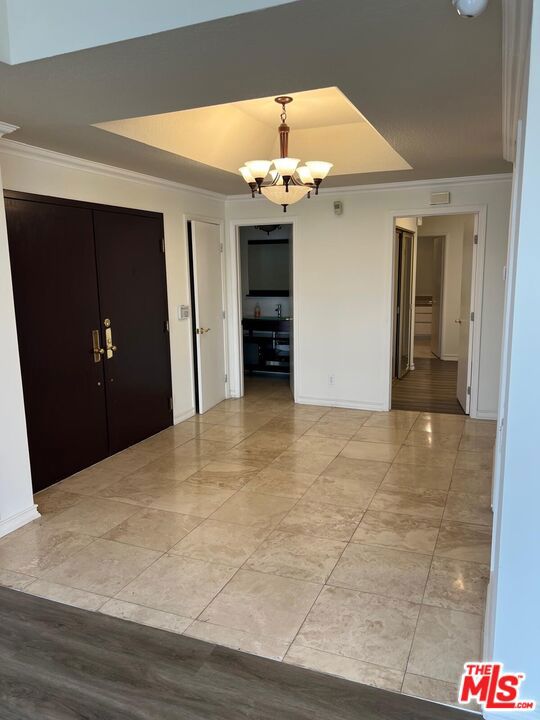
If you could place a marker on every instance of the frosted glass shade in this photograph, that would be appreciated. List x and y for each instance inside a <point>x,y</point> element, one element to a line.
<point>248,177</point>
<point>258,168</point>
<point>286,166</point>
<point>279,195</point>
<point>304,174</point>
<point>319,169</point>
<point>274,174</point>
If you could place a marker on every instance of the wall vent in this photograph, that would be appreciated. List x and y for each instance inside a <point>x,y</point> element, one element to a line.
<point>440,198</point>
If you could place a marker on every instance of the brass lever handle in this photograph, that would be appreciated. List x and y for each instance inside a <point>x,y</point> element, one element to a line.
<point>96,349</point>
<point>202,331</point>
<point>111,348</point>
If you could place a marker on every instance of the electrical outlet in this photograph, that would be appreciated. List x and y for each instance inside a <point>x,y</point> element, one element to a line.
<point>331,379</point>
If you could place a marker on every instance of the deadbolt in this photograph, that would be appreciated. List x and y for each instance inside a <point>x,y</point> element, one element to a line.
<point>107,323</point>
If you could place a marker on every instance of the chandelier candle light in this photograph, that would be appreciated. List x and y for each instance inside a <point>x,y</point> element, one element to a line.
<point>288,182</point>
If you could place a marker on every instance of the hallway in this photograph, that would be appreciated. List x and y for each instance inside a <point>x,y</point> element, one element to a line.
<point>431,387</point>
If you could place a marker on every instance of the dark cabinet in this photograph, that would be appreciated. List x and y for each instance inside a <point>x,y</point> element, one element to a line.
<point>266,344</point>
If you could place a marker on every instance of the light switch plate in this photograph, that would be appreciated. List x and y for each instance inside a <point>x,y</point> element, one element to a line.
<point>183,312</point>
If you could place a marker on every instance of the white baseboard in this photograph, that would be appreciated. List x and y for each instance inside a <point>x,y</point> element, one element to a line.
<point>184,416</point>
<point>453,358</point>
<point>349,404</point>
<point>479,415</point>
<point>16,521</point>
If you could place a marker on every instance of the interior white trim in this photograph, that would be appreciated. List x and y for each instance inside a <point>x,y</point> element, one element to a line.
<point>348,404</point>
<point>400,185</point>
<point>477,285</point>
<point>16,521</point>
<point>183,416</point>
<point>6,128</point>
<point>516,31</point>
<point>18,149</point>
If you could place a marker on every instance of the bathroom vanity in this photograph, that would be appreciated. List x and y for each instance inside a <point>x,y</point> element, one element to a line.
<point>267,342</point>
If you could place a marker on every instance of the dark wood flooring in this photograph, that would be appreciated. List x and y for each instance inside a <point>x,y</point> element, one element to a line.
<point>61,663</point>
<point>431,387</point>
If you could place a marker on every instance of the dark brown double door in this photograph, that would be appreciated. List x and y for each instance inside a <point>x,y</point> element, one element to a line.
<point>91,305</point>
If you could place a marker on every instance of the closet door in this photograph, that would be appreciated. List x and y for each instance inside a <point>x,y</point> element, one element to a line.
<point>56,303</point>
<point>134,319</point>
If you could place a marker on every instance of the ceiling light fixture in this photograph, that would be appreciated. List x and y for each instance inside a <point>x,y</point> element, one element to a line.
<point>289,181</point>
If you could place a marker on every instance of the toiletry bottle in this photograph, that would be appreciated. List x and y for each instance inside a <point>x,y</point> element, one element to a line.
<point>257,311</point>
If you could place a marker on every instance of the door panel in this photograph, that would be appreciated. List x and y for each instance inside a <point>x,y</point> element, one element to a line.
<point>404,247</point>
<point>208,293</point>
<point>133,298</point>
<point>56,302</point>
<point>465,330</point>
<point>438,289</point>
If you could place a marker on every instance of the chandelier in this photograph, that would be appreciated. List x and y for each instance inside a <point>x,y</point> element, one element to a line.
<point>287,181</point>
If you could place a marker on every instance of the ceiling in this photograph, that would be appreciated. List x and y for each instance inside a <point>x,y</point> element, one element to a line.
<point>324,124</point>
<point>426,80</point>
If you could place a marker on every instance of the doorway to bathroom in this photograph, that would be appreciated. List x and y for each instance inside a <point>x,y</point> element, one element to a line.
<point>265,255</point>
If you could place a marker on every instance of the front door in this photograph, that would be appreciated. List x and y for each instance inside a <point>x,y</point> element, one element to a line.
<point>208,314</point>
<point>58,322</point>
<point>134,323</point>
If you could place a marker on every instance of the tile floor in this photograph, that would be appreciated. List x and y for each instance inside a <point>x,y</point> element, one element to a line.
<point>349,542</point>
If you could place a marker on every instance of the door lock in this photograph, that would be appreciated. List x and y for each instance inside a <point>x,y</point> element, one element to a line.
<point>110,346</point>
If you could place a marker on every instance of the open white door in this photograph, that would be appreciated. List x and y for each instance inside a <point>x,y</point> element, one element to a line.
<point>466,313</point>
<point>208,313</point>
<point>438,289</point>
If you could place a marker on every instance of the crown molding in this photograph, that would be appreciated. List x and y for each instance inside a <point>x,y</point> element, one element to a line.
<point>516,32</point>
<point>402,185</point>
<point>6,128</point>
<point>18,149</point>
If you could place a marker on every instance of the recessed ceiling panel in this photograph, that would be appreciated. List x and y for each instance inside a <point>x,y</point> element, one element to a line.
<point>324,124</point>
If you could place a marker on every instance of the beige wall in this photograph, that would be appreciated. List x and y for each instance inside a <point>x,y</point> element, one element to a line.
<point>343,285</point>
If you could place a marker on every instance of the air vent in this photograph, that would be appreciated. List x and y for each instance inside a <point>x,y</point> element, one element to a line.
<point>440,198</point>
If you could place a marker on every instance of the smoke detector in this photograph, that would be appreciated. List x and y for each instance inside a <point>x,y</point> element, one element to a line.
<point>470,8</point>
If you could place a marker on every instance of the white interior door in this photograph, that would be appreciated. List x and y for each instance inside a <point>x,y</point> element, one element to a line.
<point>208,313</point>
<point>437,306</point>
<point>464,320</point>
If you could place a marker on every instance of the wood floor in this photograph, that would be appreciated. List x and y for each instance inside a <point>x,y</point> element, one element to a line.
<point>62,663</point>
<point>431,387</point>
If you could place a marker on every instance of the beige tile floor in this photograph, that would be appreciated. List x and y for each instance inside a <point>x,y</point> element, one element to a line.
<point>349,542</point>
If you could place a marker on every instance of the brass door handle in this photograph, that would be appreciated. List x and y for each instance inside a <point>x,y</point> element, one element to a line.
<point>202,331</point>
<point>96,349</point>
<point>111,349</point>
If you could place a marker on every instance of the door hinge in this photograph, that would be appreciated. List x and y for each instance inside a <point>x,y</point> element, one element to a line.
<point>220,247</point>
<point>468,390</point>
<point>476,239</point>
<point>166,324</point>
<point>170,403</point>
<point>472,317</point>
<point>162,244</point>
<point>226,377</point>
<point>223,313</point>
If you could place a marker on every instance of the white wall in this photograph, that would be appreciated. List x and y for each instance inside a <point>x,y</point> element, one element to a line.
<point>343,285</point>
<point>513,627</point>
<point>454,227</point>
<point>53,175</point>
<point>16,502</point>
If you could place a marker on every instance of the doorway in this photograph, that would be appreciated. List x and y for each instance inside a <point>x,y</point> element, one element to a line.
<point>208,317</point>
<point>266,294</point>
<point>432,358</point>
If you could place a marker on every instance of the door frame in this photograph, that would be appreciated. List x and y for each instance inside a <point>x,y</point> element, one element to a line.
<point>397,284</point>
<point>234,309</point>
<point>186,219</point>
<point>477,289</point>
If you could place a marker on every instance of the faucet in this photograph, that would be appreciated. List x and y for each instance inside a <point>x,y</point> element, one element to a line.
<point>278,310</point>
